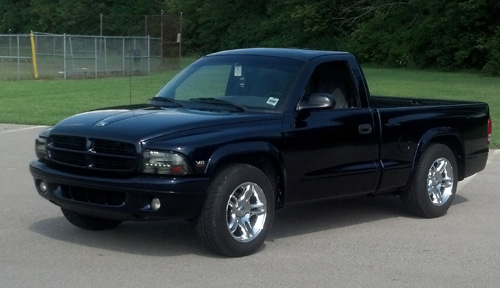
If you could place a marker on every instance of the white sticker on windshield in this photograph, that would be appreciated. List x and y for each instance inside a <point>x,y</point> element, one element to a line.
<point>272,101</point>
<point>238,71</point>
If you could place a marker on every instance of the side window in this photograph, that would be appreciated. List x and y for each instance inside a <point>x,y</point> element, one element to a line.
<point>335,79</point>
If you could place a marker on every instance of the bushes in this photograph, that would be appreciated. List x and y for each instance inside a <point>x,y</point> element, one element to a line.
<point>449,35</point>
<point>492,66</point>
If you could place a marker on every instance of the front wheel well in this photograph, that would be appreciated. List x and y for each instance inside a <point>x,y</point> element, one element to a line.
<point>267,164</point>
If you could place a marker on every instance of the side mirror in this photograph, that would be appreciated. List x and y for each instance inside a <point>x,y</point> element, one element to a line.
<point>317,101</point>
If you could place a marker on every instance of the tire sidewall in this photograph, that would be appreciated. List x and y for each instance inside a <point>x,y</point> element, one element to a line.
<point>419,188</point>
<point>224,183</point>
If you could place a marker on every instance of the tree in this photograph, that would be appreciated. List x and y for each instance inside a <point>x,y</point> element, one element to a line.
<point>212,25</point>
<point>452,34</point>
<point>14,16</point>
<point>125,17</point>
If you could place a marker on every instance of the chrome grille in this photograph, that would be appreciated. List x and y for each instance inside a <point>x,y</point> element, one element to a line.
<point>91,153</point>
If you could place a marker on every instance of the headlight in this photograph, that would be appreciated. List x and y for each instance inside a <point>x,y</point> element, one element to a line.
<point>41,148</point>
<point>165,163</point>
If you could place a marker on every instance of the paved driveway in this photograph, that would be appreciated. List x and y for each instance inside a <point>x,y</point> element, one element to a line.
<point>350,243</point>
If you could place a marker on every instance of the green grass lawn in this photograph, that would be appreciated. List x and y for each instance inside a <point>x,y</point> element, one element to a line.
<point>48,101</point>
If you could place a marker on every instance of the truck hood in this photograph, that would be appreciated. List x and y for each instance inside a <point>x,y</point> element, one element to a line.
<point>149,122</point>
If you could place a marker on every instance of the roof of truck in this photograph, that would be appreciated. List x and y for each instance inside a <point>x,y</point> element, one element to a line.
<point>300,54</point>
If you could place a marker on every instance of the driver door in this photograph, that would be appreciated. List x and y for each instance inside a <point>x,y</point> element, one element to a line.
<point>332,152</point>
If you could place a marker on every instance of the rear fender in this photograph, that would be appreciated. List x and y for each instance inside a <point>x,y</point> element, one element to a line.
<point>449,136</point>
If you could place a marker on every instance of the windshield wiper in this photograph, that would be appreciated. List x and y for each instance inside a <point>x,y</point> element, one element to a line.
<point>218,102</point>
<point>165,100</point>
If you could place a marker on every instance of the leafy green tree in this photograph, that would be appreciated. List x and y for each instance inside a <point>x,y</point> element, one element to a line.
<point>451,34</point>
<point>14,16</point>
<point>121,17</point>
<point>384,37</point>
<point>300,23</point>
<point>64,16</point>
<point>219,24</point>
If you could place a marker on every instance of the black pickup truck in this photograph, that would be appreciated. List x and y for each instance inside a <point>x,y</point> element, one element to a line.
<point>239,134</point>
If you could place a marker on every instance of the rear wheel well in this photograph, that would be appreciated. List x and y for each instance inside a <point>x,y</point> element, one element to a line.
<point>456,147</point>
<point>268,165</point>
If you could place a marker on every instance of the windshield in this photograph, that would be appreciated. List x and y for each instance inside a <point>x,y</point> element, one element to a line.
<point>234,82</point>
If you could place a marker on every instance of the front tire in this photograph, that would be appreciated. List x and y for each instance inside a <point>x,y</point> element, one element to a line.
<point>434,183</point>
<point>89,222</point>
<point>238,212</point>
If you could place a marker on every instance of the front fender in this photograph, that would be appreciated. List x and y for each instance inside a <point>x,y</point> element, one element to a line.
<point>235,151</point>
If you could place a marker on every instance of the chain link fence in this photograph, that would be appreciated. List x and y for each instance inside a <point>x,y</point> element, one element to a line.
<point>76,56</point>
<point>15,57</point>
<point>49,56</point>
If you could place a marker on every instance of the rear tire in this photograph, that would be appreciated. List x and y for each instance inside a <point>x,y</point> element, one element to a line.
<point>238,212</point>
<point>89,222</point>
<point>434,183</point>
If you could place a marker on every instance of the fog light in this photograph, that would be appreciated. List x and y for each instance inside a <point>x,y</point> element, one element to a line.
<point>42,187</point>
<point>155,204</point>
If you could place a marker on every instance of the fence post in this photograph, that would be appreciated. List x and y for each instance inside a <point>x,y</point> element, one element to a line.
<point>123,56</point>
<point>105,43</point>
<point>10,44</point>
<point>64,56</point>
<point>149,55</point>
<point>33,55</point>
<point>18,58</point>
<point>179,39</point>
<point>95,55</point>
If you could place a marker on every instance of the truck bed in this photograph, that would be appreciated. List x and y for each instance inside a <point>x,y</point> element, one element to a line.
<point>392,102</point>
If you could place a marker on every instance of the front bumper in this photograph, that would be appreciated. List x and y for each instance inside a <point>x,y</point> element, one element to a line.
<point>121,198</point>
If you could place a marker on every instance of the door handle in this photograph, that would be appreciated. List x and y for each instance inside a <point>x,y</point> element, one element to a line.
<point>365,129</point>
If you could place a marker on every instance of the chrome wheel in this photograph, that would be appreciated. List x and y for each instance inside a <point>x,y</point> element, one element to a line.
<point>238,212</point>
<point>246,212</point>
<point>440,181</point>
<point>434,182</point>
